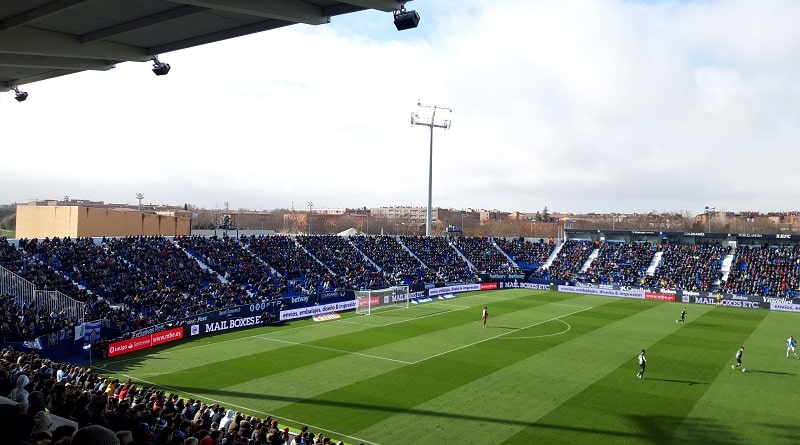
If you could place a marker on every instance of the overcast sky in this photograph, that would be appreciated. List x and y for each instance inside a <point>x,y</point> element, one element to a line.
<point>579,106</point>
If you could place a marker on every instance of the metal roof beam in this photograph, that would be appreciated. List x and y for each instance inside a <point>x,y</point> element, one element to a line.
<point>53,62</point>
<point>26,40</point>
<point>142,22</point>
<point>35,78</point>
<point>37,13</point>
<point>288,10</point>
<point>380,5</point>
<point>230,33</point>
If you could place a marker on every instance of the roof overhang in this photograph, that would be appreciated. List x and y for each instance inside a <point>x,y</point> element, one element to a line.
<point>42,39</point>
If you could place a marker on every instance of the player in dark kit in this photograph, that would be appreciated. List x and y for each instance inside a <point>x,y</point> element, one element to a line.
<point>642,360</point>
<point>683,317</point>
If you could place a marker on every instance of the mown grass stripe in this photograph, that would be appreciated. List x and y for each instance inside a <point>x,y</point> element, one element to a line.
<point>399,392</point>
<point>514,396</point>
<point>764,404</point>
<point>619,408</point>
<point>572,387</point>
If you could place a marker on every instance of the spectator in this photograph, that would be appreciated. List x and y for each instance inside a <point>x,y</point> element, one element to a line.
<point>20,394</point>
<point>94,435</point>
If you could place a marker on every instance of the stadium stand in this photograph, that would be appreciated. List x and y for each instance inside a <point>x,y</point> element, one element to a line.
<point>768,271</point>
<point>525,253</point>
<point>393,259</point>
<point>63,399</point>
<point>570,259</point>
<point>135,282</point>
<point>437,254</point>
<point>693,267</point>
<point>484,255</point>
<point>623,264</point>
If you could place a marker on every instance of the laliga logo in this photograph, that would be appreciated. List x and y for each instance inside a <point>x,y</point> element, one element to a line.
<point>119,348</point>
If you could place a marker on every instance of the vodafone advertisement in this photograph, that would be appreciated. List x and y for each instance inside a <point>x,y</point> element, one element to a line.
<point>144,342</point>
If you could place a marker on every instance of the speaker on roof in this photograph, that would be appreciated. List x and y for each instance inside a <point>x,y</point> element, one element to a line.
<point>406,20</point>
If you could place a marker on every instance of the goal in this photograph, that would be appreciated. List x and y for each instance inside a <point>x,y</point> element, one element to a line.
<point>370,300</point>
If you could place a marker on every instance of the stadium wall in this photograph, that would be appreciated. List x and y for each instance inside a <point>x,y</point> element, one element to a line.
<point>78,221</point>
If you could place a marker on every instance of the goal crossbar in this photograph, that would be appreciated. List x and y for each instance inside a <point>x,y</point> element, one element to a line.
<point>391,297</point>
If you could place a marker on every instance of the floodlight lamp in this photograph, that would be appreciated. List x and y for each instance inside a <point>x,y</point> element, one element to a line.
<point>20,96</point>
<point>405,19</point>
<point>159,68</point>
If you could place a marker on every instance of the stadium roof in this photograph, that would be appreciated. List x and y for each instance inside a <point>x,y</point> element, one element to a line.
<point>43,39</point>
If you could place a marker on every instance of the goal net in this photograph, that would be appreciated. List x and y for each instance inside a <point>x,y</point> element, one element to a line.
<point>370,300</point>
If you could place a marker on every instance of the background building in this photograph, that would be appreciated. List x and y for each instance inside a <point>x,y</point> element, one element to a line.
<point>41,221</point>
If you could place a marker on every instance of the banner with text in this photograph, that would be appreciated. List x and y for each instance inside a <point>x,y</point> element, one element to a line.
<point>147,341</point>
<point>633,293</point>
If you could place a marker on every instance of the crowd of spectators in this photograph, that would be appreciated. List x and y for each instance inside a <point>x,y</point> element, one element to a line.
<point>569,261</point>
<point>695,267</point>
<point>436,253</point>
<point>767,271</point>
<point>23,322</point>
<point>393,259</point>
<point>299,271</point>
<point>105,411</point>
<point>136,282</point>
<point>484,255</point>
<point>622,264</point>
<point>526,254</point>
<point>42,274</point>
<point>228,258</point>
<point>345,261</point>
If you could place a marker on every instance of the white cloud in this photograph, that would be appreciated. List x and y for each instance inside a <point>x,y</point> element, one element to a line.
<point>578,106</point>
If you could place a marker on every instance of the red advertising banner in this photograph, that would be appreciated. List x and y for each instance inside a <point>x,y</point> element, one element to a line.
<point>659,296</point>
<point>488,286</point>
<point>373,301</point>
<point>144,342</point>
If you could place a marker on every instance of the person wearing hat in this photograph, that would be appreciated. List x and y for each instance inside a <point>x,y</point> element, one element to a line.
<point>95,435</point>
<point>41,426</point>
<point>125,437</point>
<point>20,394</point>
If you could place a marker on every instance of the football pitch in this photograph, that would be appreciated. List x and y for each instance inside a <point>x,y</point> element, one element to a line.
<point>550,368</point>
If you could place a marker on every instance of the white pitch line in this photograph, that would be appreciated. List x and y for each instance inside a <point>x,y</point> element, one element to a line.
<point>357,323</point>
<point>567,304</point>
<point>336,350</point>
<point>499,335</point>
<point>170,351</point>
<point>242,408</point>
<point>441,303</point>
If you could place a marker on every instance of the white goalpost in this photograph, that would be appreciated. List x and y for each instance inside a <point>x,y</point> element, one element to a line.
<point>370,300</point>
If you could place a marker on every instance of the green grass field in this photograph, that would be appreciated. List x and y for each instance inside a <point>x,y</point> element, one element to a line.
<point>551,368</point>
